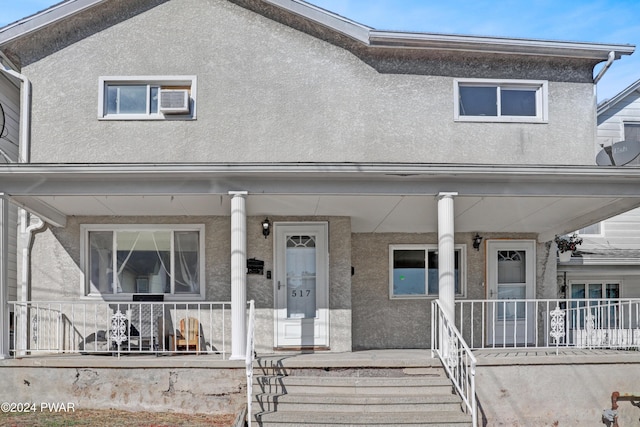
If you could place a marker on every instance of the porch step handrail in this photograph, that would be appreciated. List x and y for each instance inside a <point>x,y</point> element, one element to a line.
<point>456,357</point>
<point>250,356</point>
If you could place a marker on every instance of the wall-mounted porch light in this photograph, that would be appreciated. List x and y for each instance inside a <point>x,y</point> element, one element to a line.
<point>476,242</point>
<point>266,227</point>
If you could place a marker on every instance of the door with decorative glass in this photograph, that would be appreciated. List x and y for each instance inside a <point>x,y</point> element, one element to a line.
<point>511,282</point>
<point>301,285</point>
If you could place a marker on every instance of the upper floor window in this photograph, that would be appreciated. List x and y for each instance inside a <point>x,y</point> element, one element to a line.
<point>121,260</point>
<point>483,100</point>
<point>632,131</point>
<point>147,98</point>
<point>413,271</point>
<point>593,229</point>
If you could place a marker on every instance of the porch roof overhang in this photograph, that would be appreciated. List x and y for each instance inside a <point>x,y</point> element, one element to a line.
<point>379,197</point>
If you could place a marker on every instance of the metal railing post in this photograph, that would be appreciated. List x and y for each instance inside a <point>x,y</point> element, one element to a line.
<point>250,352</point>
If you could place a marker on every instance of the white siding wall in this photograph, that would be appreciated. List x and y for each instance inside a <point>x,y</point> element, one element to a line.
<point>10,101</point>
<point>611,122</point>
<point>12,273</point>
<point>622,231</point>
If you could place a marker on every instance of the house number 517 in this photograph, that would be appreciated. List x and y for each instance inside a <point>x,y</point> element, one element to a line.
<point>301,293</point>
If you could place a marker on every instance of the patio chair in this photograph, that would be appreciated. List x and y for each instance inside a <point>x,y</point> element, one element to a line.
<point>188,336</point>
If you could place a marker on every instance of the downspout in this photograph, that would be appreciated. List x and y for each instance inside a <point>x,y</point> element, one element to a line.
<point>610,59</point>
<point>25,114</point>
<point>24,296</point>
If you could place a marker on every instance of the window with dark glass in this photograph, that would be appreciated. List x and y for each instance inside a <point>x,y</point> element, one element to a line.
<point>414,270</point>
<point>508,101</point>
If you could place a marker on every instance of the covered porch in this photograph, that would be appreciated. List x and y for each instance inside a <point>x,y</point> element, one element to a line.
<point>364,205</point>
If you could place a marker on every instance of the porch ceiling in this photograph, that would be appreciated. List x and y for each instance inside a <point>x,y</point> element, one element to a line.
<point>369,214</point>
<point>377,198</point>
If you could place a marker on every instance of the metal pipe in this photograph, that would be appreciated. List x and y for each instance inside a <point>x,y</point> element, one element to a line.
<point>610,59</point>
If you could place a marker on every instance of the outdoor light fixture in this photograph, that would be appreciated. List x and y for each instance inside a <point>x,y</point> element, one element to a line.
<point>266,227</point>
<point>476,242</point>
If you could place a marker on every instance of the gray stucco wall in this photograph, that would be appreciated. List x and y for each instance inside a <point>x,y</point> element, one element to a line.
<point>382,323</point>
<point>267,92</point>
<point>57,271</point>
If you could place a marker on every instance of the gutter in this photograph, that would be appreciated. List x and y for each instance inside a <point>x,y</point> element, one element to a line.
<point>25,114</point>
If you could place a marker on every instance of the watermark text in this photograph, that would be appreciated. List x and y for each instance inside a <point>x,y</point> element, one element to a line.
<point>37,407</point>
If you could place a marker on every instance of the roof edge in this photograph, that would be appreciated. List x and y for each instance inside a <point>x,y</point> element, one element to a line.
<point>608,103</point>
<point>44,18</point>
<point>492,44</point>
<point>366,35</point>
<point>398,169</point>
<point>325,18</point>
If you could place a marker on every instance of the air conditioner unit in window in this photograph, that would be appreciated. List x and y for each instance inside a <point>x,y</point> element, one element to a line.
<point>174,101</point>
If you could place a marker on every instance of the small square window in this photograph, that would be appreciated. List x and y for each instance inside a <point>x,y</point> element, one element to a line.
<point>132,99</point>
<point>493,101</point>
<point>414,271</point>
<point>147,98</point>
<point>593,229</point>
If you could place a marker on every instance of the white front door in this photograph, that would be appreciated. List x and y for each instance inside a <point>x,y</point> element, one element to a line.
<point>301,285</point>
<point>511,276</point>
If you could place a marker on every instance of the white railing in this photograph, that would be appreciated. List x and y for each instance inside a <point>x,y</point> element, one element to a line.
<point>549,323</point>
<point>456,358</point>
<point>89,327</point>
<point>249,359</point>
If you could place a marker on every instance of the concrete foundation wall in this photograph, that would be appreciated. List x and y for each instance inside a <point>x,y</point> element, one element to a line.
<point>556,395</point>
<point>182,390</point>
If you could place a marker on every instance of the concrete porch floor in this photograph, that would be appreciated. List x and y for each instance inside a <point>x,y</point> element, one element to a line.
<point>388,358</point>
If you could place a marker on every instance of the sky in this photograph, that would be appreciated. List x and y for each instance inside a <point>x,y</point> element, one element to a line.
<point>593,21</point>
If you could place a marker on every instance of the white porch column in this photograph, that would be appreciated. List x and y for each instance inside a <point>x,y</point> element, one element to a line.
<point>446,254</point>
<point>4,282</point>
<point>238,274</point>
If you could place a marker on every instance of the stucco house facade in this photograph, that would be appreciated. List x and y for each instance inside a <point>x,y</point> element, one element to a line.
<point>163,137</point>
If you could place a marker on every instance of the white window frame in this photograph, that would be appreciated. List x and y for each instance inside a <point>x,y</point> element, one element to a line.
<point>602,281</point>
<point>84,258</point>
<point>585,302</point>
<point>189,82</point>
<point>600,234</point>
<point>542,100</point>
<point>462,248</point>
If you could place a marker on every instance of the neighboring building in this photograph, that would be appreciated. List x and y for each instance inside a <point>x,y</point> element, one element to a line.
<point>607,264</point>
<point>9,153</point>
<point>164,133</point>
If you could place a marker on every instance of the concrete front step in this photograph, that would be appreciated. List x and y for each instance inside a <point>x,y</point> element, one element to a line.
<point>357,397</point>
<point>353,385</point>
<point>318,419</point>
<point>357,403</point>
